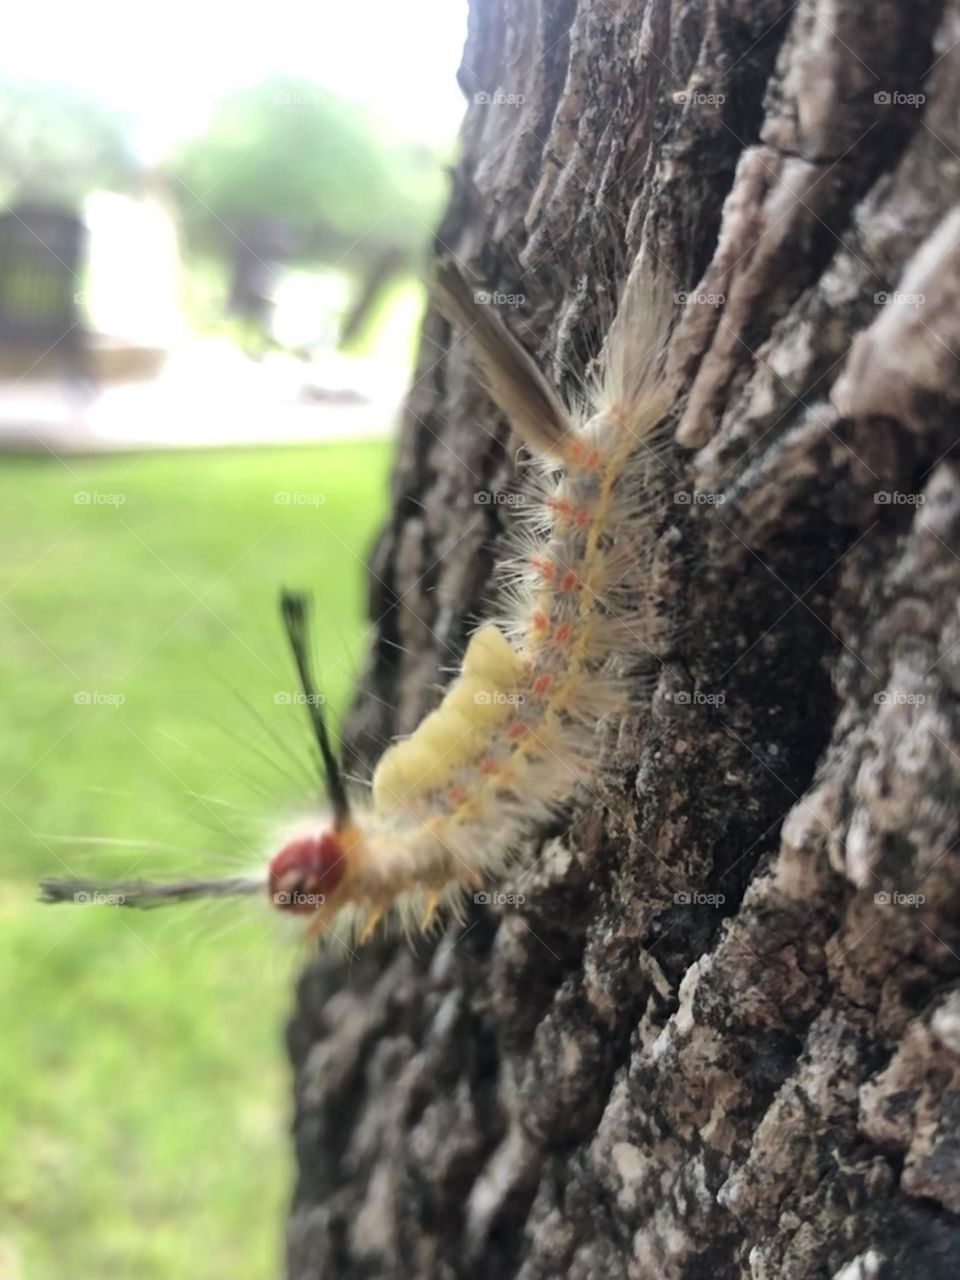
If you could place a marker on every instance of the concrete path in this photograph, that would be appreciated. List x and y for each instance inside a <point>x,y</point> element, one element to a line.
<point>206,395</point>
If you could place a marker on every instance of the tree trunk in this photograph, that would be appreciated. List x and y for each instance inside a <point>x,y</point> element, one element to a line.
<point>720,1037</point>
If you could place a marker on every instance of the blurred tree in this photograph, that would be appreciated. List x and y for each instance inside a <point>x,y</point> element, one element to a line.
<point>58,143</point>
<point>287,173</point>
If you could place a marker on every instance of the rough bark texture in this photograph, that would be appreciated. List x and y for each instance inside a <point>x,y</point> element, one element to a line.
<point>611,1080</point>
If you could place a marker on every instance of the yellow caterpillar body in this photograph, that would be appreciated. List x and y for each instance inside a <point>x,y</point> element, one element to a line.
<point>515,734</point>
<point>478,702</point>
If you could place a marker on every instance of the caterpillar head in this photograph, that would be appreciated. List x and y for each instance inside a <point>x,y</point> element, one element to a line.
<point>306,872</point>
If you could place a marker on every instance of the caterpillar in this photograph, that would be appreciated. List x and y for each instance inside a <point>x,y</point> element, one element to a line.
<point>513,740</point>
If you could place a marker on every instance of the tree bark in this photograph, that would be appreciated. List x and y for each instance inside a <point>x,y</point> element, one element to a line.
<point>719,1038</point>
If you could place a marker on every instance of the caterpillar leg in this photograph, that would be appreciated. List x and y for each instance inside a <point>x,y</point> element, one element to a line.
<point>429,910</point>
<point>374,916</point>
<point>316,926</point>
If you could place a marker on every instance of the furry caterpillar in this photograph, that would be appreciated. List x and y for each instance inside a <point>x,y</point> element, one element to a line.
<point>515,733</point>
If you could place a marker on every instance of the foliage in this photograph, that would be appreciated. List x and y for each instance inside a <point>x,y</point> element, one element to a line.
<point>57,144</point>
<point>291,153</point>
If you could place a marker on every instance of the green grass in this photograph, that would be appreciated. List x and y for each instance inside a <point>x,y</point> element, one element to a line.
<point>144,1090</point>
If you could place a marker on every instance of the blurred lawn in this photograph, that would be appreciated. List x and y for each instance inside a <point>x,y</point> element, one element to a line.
<point>144,1092</point>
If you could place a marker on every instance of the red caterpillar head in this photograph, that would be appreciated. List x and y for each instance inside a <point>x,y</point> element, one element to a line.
<point>306,872</point>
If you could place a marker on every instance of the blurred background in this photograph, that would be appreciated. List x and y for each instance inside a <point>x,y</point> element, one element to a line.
<point>212,227</point>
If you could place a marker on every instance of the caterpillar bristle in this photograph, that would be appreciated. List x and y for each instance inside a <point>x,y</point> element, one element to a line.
<point>510,375</point>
